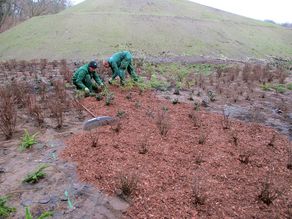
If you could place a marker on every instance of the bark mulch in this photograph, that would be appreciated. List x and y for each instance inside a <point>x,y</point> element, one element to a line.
<point>197,169</point>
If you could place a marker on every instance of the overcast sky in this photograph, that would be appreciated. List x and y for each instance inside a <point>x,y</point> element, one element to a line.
<point>279,11</point>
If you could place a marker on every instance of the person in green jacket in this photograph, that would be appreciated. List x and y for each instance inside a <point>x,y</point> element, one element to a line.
<point>119,63</point>
<point>82,78</point>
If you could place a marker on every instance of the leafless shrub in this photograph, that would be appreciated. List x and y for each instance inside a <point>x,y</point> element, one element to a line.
<point>58,102</point>
<point>267,193</point>
<point>78,108</point>
<point>22,65</point>
<point>143,147</point>
<point>21,91</point>
<point>246,71</point>
<point>195,118</point>
<point>127,185</point>
<point>162,122</point>
<point>244,158</point>
<point>282,75</point>
<point>225,120</point>
<point>199,159</point>
<point>60,92</point>
<point>235,139</point>
<point>43,90</point>
<point>57,109</point>
<point>202,136</point>
<point>150,113</point>
<point>211,80</point>
<point>198,197</point>
<point>65,71</point>
<point>94,137</point>
<point>289,211</point>
<point>272,141</point>
<point>8,112</point>
<point>35,109</point>
<point>116,128</point>
<point>219,71</point>
<point>289,163</point>
<point>258,72</point>
<point>43,63</point>
<point>55,63</point>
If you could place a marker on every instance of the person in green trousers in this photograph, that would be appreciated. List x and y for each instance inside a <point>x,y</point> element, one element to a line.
<point>119,63</point>
<point>86,78</point>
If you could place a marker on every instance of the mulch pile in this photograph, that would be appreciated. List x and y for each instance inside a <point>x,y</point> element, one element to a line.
<point>197,170</point>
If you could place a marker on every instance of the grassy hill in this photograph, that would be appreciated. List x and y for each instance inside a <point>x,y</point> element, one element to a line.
<point>97,28</point>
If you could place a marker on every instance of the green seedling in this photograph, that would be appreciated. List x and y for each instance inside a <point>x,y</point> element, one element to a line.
<point>44,215</point>
<point>121,113</point>
<point>27,140</point>
<point>35,176</point>
<point>109,99</point>
<point>5,210</point>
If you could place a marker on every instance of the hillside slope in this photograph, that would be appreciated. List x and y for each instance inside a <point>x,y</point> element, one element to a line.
<point>96,28</point>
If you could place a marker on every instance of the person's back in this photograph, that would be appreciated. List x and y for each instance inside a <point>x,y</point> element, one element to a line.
<point>119,57</point>
<point>83,68</point>
<point>82,78</point>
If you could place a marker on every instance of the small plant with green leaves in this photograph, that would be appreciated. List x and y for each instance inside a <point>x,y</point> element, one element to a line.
<point>35,176</point>
<point>109,99</point>
<point>121,114</point>
<point>266,87</point>
<point>280,88</point>
<point>157,84</point>
<point>44,215</point>
<point>175,101</point>
<point>289,86</point>
<point>5,210</point>
<point>99,97</point>
<point>211,96</point>
<point>197,106</point>
<point>27,140</point>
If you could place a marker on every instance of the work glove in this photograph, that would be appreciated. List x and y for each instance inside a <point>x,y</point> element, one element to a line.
<point>86,90</point>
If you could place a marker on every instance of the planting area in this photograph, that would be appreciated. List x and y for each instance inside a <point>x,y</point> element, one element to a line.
<point>192,141</point>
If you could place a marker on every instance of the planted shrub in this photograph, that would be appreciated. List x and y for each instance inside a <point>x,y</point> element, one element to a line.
<point>28,140</point>
<point>195,118</point>
<point>127,185</point>
<point>5,210</point>
<point>289,163</point>
<point>225,121</point>
<point>197,196</point>
<point>44,215</point>
<point>109,99</point>
<point>162,122</point>
<point>8,113</point>
<point>35,176</point>
<point>267,194</point>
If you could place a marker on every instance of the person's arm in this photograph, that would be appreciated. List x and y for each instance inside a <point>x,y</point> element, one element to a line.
<point>97,79</point>
<point>80,78</point>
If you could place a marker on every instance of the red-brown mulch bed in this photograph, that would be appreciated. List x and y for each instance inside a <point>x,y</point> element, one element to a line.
<point>226,172</point>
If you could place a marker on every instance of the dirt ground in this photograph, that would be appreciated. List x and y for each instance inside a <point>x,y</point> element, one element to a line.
<point>49,193</point>
<point>178,162</point>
